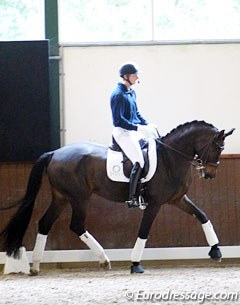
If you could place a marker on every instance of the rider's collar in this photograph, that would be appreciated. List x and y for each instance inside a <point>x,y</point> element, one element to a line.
<point>125,88</point>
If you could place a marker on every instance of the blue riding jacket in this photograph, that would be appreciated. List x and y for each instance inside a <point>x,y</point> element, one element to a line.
<point>125,112</point>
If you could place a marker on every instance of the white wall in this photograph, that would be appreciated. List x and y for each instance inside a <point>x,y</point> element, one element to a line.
<point>179,83</point>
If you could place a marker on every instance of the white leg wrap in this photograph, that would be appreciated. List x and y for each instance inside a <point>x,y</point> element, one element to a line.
<point>93,244</point>
<point>38,250</point>
<point>210,234</point>
<point>16,265</point>
<point>138,250</point>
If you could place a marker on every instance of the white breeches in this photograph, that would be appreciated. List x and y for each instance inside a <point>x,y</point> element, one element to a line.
<point>128,141</point>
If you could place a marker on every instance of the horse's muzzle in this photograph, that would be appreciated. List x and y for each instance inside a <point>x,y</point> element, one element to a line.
<point>209,176</point>
<point>209,171</point>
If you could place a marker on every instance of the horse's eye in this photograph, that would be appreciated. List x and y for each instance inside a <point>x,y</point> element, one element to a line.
<point>218,147</point>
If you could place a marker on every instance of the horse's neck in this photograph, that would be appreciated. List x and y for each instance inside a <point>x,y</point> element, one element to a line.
<point>183,141</point>
<point>175,157</point>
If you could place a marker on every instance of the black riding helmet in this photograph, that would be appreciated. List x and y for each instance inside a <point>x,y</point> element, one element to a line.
<point>128,69</point>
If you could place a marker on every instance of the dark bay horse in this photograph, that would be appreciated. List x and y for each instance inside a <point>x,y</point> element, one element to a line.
<point>77,171</point>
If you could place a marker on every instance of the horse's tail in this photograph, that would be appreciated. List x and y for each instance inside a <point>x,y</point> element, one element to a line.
<point>13,234</point>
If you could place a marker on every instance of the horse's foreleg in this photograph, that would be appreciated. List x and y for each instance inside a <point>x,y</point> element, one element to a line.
<point>189,207</point>
<point>78,226</point>
<point>148,218</point>
<point>137,255</point>
<point>45,224</point>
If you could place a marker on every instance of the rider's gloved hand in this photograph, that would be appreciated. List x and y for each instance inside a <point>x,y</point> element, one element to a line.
<point>148,131</point>
<point>144,131</point>
<point>153,130</point>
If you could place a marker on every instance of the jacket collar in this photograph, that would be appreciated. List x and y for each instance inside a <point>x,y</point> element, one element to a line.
<point>124,88</point>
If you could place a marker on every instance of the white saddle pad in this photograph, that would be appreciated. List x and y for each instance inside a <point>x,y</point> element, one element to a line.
<point>115,164</point>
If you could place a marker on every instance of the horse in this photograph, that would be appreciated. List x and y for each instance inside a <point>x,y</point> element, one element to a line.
<point>77,171</point>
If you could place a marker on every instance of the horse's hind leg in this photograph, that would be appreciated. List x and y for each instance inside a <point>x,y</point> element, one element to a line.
<point>189,207</point>
<point>78,226</point>
<point>53,212</point>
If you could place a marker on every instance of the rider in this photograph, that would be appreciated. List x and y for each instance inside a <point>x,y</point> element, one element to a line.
<point>130,126</point>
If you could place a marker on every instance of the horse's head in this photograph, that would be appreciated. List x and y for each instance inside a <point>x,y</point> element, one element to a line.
<point>208,155</point>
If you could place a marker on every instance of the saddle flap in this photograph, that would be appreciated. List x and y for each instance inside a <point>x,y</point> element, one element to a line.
<point>119,166</point>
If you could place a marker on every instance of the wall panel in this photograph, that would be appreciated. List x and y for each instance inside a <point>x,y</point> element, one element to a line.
<point>179,83</point>
<point>24,100</point>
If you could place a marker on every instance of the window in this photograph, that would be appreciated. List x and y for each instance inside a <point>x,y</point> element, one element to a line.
<point>22,19</point>
<point>148,20</point>
<point>104,20</point>
<point>196,19</point>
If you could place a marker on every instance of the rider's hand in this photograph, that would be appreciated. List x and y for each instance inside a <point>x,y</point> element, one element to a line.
<point>148,131</point>
<point>153,130</point>
<point>144,131</point>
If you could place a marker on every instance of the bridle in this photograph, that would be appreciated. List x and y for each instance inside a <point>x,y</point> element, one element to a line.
<point>205,151</point>
<point>199,162</point>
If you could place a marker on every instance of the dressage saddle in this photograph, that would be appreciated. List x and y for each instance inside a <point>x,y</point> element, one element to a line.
<point>127,164</point>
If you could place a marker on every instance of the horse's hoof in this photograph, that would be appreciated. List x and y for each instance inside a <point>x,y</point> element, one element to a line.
<point>33,272</point>
<point>105,265</point>
<point>137,269</point>
<point>215,254</point>
<point>218,260</point>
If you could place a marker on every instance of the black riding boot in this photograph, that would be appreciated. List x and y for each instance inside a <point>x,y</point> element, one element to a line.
<point>134,178</point>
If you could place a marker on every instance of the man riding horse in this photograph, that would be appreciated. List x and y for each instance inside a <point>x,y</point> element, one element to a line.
<point>130,126</point>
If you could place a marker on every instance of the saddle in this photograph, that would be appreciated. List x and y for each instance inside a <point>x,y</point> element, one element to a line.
<point>119,166</point>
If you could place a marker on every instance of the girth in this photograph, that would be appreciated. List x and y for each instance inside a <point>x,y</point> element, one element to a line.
<point>127,164</point>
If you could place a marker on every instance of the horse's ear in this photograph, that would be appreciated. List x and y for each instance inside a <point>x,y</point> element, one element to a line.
<point>220,135</point>
<point>229,132</point>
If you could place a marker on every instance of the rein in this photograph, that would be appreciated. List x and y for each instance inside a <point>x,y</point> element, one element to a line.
<point>195,161</point>
<point>197,165</point>
<point>174,149</point>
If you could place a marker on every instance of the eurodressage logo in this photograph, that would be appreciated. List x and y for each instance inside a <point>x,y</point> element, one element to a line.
<point>200,297</point>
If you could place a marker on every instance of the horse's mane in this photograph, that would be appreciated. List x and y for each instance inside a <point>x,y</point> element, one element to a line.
<point>188,124</point>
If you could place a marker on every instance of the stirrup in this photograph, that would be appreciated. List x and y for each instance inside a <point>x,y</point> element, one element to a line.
<point>133,203</point>
<point>142,203</point>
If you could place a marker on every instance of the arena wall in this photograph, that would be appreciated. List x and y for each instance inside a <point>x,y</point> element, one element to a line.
<point>117,225</point>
